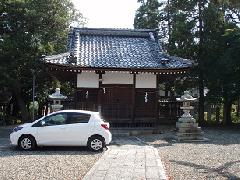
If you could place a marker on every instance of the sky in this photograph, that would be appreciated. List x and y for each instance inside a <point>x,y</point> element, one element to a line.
<point>108,13</point>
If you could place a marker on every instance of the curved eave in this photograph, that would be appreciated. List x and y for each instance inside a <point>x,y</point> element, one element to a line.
<point>78,69</point>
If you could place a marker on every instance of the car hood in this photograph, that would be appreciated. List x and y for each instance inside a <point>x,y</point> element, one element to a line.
<point>29,124</point>
<point>26,125</point>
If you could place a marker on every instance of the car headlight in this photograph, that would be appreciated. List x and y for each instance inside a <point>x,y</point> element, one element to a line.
<point>17,129</point>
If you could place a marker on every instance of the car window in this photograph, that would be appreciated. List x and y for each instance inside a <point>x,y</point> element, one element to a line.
<point>78,118</point>
<point>100,117</point>
<point>56,119</point>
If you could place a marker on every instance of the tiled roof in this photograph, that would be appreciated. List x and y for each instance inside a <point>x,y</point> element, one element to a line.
<point>116,48</point>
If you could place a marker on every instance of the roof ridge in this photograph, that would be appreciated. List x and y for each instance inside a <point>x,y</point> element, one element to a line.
<point>113,29</point>
<point>145,33</point>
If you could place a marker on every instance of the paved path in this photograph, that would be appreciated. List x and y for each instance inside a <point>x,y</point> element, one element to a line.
<point>128,158</point>
<point>4,137</point>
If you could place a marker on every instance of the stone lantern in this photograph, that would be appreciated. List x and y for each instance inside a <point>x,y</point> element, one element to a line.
<point>57,97</point>
<point>187,128</point>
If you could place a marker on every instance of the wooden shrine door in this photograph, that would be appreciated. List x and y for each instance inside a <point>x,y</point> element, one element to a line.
<point>117,101</point>
<point>146,105</point>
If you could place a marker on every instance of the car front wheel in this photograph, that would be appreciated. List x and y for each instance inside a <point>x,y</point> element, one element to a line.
<point>26,143</point>
<point>96,143</point>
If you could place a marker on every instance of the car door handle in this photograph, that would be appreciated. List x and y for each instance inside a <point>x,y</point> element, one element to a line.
<point>62,128</point>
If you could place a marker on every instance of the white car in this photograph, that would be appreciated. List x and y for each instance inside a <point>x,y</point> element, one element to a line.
<point>64,128</point>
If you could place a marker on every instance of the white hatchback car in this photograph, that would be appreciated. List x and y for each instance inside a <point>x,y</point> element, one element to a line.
<point>64,128</point>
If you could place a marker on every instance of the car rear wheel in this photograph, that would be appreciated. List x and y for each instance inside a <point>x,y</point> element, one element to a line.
<point>96,143</point>
<point>27,143</point>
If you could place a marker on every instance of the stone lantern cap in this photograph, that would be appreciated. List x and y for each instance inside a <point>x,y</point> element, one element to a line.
<point>57,95</point>
<point>186,97</point>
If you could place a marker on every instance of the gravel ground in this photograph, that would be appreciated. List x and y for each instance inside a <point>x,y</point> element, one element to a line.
<point>44,163</point>
<point>218,158</point>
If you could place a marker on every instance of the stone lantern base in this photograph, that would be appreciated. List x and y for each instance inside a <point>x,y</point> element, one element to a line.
<point>188,130</point>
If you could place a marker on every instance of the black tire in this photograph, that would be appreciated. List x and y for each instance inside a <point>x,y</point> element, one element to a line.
<point>27,143</point>
<point>96,143</point>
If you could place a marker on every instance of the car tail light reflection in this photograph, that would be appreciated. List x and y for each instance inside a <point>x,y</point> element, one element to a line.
<point>105,126</point>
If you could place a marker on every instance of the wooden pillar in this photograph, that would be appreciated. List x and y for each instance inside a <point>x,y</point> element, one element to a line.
<point>100,94</point>
<point>134,98</point>
<point>75,92</point>
<point>157,104</point>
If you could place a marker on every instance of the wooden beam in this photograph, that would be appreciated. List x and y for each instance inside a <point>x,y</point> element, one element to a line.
<point>77,69</point>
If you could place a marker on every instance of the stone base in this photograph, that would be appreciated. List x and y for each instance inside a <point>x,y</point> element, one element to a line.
<point>190,140</point>
<point>186,120</point>
<point>188,130</point>
<point>186,125</point>
<point>196,135</point>
<point>192,130</point>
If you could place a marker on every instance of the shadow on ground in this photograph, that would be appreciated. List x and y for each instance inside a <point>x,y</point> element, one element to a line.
<point>56,150</point>
<point>220,170</point>
<point>126,140</point>
<point>221,136</point>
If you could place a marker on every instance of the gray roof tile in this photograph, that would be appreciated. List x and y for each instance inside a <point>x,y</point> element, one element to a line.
<point>114,48</point>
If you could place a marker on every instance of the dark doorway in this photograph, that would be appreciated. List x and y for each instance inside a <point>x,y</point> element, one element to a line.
<point>146,105</point>
<point>87,99</point>
<point>117,102</point>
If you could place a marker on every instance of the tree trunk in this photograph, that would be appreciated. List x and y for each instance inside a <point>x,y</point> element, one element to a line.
<point>46,108</point>
<point>23,108</point>
<point>200,66</point>
<point>217,115</point>
<point>209,113</point>
<point>21,103</point>
<point>238,107</point>
<point>227,108</point>
<point>168,19</point>
<point>201,101</point>
<point>40,110</point>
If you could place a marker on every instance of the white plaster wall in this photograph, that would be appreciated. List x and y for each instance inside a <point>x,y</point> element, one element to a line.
<point>146,81</point>
<point>117,78</point>
<point>88,80</point>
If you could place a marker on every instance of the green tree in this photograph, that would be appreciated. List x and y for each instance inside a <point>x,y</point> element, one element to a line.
<point>147,15</point>
<point>181,29</point>
<point>223,81</point>
<point>199,29</point>
<point>28,29</point>
<point>219,65</point>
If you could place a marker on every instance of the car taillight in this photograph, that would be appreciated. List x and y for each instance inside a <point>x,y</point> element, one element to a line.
<point>105,126</point>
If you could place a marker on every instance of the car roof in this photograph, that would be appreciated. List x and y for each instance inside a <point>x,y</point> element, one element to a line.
<point>78,111</point>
